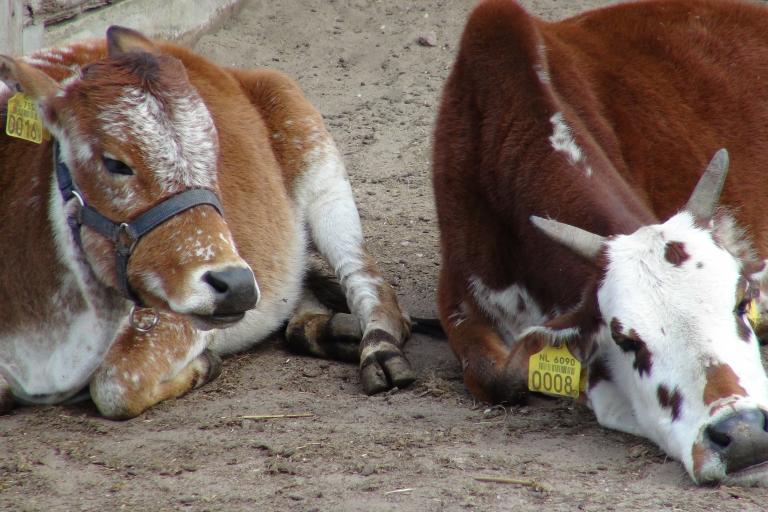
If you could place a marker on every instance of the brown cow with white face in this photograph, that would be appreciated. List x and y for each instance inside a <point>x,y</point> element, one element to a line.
<point>173,199</point>
<point>559,149</point>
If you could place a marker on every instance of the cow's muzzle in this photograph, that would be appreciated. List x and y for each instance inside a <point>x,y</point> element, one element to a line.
<point>740,439</point>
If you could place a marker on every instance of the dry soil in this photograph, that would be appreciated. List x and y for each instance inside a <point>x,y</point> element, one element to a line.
<point>417,449</point>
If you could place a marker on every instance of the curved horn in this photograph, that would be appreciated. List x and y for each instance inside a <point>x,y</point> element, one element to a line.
<point>707,192</point>
<point>583,243</point>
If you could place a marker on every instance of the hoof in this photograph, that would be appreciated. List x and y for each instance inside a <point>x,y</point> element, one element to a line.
<point>383,365</point>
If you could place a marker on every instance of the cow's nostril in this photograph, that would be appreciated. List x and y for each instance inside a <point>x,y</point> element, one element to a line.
<point>719,438</point>
<point>740,439</point>
<point>217,281</point>
<point>236,290</point>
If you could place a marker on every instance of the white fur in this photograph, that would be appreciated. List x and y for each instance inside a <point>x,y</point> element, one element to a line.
<point>324,195</point>
<point>275,305</point>
<point>503,306</point>
<point>562,141</point>
<point>180,145</point>
<point>541,67</point>
<point>50,362</point>
<point>5,93</point>
<point>685,316</point>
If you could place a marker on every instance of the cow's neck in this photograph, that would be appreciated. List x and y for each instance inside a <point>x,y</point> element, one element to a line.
<point>53,301</point>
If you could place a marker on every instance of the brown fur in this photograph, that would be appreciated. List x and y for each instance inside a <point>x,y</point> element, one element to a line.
<point>647,106</point>
<point>257,174</point>
<point>722,382</point>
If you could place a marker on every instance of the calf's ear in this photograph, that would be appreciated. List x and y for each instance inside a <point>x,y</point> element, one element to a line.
<point>123,40</point>
<point>20,76</point>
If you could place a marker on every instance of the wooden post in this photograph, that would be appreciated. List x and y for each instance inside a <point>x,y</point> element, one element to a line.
<point>11,27</point>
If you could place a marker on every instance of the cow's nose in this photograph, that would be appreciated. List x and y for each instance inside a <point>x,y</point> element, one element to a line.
<point>741,439</point>
<point>234,289</point>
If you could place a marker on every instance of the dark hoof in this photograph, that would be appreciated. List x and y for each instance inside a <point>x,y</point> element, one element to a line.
<point>212,363</point>
<point>383,366</point>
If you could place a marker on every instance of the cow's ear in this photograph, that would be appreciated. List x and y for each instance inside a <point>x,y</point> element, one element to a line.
<point>123,40</point>
<point>20,76</point>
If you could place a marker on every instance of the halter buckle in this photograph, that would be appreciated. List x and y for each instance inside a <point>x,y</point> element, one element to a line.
<point>124,239</point>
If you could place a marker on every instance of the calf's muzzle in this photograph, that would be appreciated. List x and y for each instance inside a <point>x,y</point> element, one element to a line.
<point>235,290</point>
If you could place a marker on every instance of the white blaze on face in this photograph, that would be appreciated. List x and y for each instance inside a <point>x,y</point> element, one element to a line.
<point>671,291</point>
<point>177,136</point>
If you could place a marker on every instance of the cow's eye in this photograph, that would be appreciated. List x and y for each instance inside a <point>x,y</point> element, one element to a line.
<point>743,307</point>
<point>117,167</point>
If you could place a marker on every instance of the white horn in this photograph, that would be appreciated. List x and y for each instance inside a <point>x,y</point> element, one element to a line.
<point>707,192</point>
<point>583,243</point>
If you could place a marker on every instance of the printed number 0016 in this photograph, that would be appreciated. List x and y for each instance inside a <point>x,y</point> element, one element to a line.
<point>22,127</point>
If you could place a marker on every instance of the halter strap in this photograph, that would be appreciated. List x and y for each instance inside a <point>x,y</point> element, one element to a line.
<point>125,235</point>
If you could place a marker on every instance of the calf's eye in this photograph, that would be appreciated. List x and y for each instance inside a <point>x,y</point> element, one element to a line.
<point>117,167</point>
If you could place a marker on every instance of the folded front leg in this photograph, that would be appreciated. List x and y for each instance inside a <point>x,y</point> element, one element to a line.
<point>144,368</point>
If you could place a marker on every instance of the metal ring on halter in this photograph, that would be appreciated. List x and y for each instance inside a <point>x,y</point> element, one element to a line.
<point>79,198</point>
<point>124,229</point>
<point>136,322</point>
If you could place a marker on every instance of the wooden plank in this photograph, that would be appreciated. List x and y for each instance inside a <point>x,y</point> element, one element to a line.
<point>11,27</point>
<point>49,12</point>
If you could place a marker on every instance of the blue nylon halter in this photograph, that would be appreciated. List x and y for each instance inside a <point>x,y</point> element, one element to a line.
<point>125,235</point>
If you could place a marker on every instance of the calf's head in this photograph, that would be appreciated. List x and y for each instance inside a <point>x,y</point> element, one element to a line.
<point>133,132</point>
<point>673,355</point>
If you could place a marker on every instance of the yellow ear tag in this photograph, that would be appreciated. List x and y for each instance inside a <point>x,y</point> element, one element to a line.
<point>23,121</point>
<point>554,371</point>
<point>753,313</point>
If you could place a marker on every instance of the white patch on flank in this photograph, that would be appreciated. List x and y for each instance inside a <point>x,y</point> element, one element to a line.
<point>512,308</point>
<point>562,141</point>
<point>180,143</point>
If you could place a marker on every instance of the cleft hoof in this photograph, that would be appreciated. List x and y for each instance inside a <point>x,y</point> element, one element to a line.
<point>383,364</point>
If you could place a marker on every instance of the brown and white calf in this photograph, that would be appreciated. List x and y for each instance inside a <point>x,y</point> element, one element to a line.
<point>186,188</point>
<point>605,121</point>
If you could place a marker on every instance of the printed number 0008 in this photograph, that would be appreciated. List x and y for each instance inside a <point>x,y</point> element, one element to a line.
<point>552,383</point>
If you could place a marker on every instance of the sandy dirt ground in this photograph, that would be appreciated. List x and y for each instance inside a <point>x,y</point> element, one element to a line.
<point>417,449</point>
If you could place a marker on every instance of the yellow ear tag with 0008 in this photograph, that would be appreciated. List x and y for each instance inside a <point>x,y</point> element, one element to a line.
<point>22,119</point>
<point>554,371</point>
